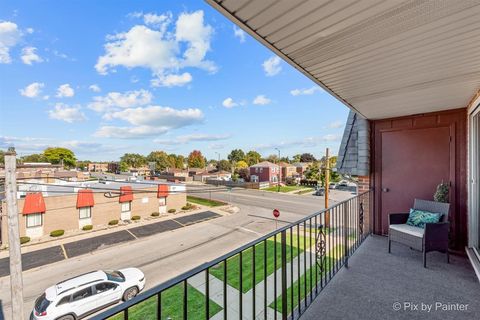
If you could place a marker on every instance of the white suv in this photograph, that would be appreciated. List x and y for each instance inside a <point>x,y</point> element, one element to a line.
<point>80,296</point>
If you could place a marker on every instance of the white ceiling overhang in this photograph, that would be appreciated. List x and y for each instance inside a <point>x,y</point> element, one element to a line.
<point>381,58</point>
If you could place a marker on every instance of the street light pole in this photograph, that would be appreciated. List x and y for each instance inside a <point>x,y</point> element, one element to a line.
<point>279,168</point>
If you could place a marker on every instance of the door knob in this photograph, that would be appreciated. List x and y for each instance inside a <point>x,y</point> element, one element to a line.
<point>385,190</point>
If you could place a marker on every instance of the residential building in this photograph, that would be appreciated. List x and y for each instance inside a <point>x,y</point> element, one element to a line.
<point>113,167</point>
<point>214,175</point>
<point>71,206</point>
<point>288,170</point>
<point>195,171</point>
<point>265,171</point>
<point>301,168</point>
<point>98,167</point>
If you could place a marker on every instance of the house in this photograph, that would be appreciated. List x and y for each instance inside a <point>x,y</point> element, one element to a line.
<point>113,167</point>
<point>195,171</point>
<point>71,206</point>
<point>288,170</point>
<point>98,167</point>
<point>214,175</point>
<point>301,167</point>
<point>265,171</point>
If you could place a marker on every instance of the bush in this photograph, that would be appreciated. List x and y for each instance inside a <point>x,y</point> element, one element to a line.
<point>113,222</point>
<point>172,210</point>
<point>87,227</point>
<point>188,206</point>
<point>155,214</point>
<point>136,218</point>
<point>24,240</point>
<point>57,233</point>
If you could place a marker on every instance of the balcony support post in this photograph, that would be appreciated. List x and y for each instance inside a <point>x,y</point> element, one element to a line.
<point>284,275</point>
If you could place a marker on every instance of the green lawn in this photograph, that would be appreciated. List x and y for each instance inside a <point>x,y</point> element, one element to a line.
<point>172,306</point>
<point>286,188</point>
<point>205,202</point>
<point>330,260</point>
<point>233,264</point>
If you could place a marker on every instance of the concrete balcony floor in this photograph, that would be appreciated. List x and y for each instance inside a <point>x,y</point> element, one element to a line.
<point>376,282</point>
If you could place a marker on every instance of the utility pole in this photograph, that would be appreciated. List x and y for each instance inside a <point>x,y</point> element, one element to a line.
<point>327,182</point>
<point>16,281</point>
<point>279,173</point>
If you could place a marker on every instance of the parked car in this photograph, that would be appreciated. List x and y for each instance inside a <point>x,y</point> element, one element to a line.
<point>342,184</point>
<point>320,191</point>
<point>80,296</point>
<point>332,185</point>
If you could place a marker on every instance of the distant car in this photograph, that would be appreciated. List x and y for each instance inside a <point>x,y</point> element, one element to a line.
<point>332,185</point>
<point>80,296</point>
<point>342,184</point>
<point>320,191</point>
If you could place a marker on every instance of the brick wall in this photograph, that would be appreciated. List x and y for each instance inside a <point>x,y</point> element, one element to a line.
<point>363,186</point>
<point>62,212</point>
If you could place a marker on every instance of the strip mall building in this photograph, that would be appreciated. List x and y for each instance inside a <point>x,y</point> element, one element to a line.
<point>70,207</point>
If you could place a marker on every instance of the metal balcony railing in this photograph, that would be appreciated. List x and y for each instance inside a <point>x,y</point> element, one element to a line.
<point>275,276</point>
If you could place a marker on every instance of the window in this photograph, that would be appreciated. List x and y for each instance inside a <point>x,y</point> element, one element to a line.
<point>82,294</point>
<point>42,303</point>
<point>256,169</point>
<point>115,276</point>
<point>126,206</point>
<point>34,220</point>
<point>64,300</point>
<point>261,170</point>
<point>85,212</point>
<point>104,286</point>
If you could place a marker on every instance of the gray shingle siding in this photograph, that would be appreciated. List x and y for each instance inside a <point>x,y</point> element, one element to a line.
<point>354,153</point>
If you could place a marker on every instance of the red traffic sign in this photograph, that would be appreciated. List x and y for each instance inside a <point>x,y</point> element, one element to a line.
<point>276,213</point>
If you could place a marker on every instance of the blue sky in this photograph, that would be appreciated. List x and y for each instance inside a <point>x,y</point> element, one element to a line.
<point>137,76</point>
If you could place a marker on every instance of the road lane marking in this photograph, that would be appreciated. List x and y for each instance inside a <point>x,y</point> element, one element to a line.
<point>64,251</point>
<point>131,233</point>
<point>251,231</point>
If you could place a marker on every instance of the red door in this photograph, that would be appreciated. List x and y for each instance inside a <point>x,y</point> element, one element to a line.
<point>413,163</point>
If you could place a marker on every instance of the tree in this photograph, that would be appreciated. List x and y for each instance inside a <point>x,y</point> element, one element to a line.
<point>133,160</point>
<point>180,162</point>
<point>236,155</point>
<point>123,166</point>
<point>60,155</point>
<point>2,156</point>
<point>313,172</point>
<point>307,157</point>
<point>224,165</point>
<point>272,158</point>
<point>83,165</point>
<point>161,160</point>
<point>243,173</point>
<point>241,165</point>
<point>297,157</point>
<point>36,157</point>
<point>252,157</point>
<point>196,159</point>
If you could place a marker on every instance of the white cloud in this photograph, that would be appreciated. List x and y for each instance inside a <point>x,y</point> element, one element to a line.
<point>298,92</point>
<point>261,100</point>
<point>239,33</point>
<point>33,90</point>
<point>95,88</point>
<point>229,103</point>
<point>196,137</point>
<point>129,132</point>
<point>116,100</point>
<point>149,121</point>
<point>30,30</point>
<point>29,56</point>
<point>163,52</point>
<point>272,66</point>
<point>66,113</point>
<point>336,124</point>
<point>159,116</point>
<point>10,35</point>
<point>172,80</point>
<point>158,21</point>
<point>65,91</point>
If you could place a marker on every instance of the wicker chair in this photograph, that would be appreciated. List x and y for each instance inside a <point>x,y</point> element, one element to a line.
<point>433,238</point>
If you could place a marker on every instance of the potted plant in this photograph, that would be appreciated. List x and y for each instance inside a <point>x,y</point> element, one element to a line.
<point>441,195</point>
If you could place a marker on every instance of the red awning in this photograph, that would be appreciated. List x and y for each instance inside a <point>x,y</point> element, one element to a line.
<point>85,198</point>
<point>34,203</point>
<point>126,194</point>
<point>162,190</point>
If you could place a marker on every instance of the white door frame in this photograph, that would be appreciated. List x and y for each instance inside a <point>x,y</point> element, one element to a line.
<point>473,183</point>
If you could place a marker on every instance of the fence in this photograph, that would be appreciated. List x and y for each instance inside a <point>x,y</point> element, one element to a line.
<point>275,276</point>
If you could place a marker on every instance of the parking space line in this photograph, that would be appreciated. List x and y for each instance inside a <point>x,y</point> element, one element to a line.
<point>131,233</point>
<point>64,251</point>
<point>183,225</point>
